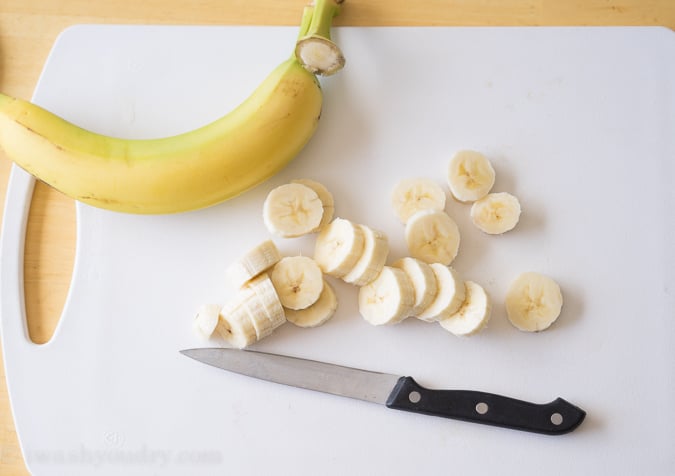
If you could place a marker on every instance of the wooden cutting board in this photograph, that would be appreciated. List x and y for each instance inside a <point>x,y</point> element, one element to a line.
<point>584,137</point>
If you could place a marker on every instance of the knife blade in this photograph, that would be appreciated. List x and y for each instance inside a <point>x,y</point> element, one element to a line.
<point>395,391</point>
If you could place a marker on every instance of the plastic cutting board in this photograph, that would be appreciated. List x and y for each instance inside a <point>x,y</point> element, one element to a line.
<point>579,124</point>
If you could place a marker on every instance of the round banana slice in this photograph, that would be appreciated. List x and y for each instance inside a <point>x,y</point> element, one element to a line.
<point>432,236</point>
<point>423,280</point>
<point>533,302</point>
<point>318,313</point>
<point>255,261</point>
<point>235,325</point>
<point>206,320</point>
<point>496,213</point>
<point>298,281</point>
<point>412,195</point>
<point>292,210</point>
<point>326,200</point>
<point>264,306</point>
<point>339,247</point>
<point>470,176</point>
<point>372,260</point>
<point>450,294</point>
<point>473,315</point>
<point>388,299</point>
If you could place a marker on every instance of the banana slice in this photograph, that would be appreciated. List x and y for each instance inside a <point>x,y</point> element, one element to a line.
<point>326,200</point>
<point>265,309</point>
<point>533,302</point>
<point>235,325</point>
<point>292,210</point>
<point>432,236</point>
<point>412,195</point>
<point>473,315</point>
<point>372,260</point>
<point>254,262</point>
<point>206,320</point>
<point>339,247</point>
<point>318,313</point>
<point>470,176</point>
<point>496,213</point>
<point>388,299</point>
<point>298,281</point>
<point>449,296</point>
<point>423,280</point>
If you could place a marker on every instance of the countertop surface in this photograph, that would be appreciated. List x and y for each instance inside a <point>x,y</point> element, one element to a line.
<point>28,29</point>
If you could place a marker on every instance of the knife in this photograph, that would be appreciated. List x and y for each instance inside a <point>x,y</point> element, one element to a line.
<point>395,391</point>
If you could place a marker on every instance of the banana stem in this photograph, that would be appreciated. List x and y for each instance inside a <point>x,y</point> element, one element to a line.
<point>307,15</point>
<point>324,11</point>
<point>314,49</point>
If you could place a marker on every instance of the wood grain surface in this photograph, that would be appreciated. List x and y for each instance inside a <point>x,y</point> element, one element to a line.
<point>28,29</point>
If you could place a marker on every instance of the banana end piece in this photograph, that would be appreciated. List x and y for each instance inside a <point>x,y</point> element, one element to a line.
<point>319,55</point>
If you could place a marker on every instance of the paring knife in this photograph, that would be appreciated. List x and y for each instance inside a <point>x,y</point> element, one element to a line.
<point>394,391</point>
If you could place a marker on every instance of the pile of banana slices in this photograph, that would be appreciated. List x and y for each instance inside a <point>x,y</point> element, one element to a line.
<point>273,289</point>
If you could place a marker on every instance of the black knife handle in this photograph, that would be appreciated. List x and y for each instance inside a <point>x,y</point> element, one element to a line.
<point>554,418</point>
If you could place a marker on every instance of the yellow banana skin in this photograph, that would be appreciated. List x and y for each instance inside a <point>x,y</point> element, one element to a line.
<point>184,172</point>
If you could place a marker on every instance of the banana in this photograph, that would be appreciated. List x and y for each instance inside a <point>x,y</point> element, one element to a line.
<point>292,210</point>
<point>235,325</point>
<point>496,213</point>
<point>432,236</point>
<point>206,320</point>
<point>255,261</point>
<point>298,281</point>
<point>318,313</point>
<point>388,299</point>
<point>470,176</point>
<point>188,171</point>
<point>450,295</point>
<point>339,247</point>
<point>372,260</point>
<point>326,200</point>
<point>473,315</point>
<point>412,195</point>
<point>533,302</point>
<point>265,310</point>
<point>423,280</point>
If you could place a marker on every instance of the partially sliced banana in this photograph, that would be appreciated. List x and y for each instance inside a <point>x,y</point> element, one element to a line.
<point>255,261</point>
<point>432,236</point>
<point>388,299</point>
<point>450,295</point>
<point>292,210</point>
<point>265,309</point>
<point>318,313</point>
<point>298,281</point>
<point>423,280</point>
<point>533,302</point>
<point>415,194</point>
<point>338,247</point>
<point>470,176</point>
<point>373,257</point>
<point>473,315</point>
<point>326,200</point>
<point>496,213</point>
<point>206,320</point>
<point>235,325</point>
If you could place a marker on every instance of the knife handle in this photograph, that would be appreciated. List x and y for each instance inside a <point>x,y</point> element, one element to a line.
<point>554,418</point>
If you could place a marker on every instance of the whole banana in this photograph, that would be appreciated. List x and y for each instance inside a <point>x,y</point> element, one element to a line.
<point>179,173</point>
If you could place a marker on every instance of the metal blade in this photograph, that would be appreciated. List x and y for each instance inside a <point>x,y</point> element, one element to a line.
<point>309,374</point>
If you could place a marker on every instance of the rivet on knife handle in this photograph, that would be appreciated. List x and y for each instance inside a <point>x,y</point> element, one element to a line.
<point>553,418</point>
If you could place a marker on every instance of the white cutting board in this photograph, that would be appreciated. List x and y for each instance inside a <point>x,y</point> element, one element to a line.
<point>579,124</point>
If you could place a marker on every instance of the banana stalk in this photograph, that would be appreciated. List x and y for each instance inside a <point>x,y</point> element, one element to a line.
<point>185,172</point>
<point>315,50</point>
